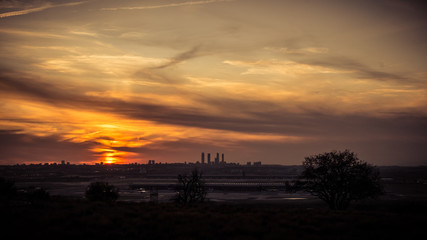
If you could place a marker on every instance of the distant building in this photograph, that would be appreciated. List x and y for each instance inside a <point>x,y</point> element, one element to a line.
<point>217,159</point>
<point>151,162</point>
<point>248,163</point>
<point>257,163</point>
<point>63,162</point>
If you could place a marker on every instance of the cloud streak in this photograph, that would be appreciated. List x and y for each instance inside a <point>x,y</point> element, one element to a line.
<point>38,9</point>
<point>355,67</point>
<point>194,52</point>
<point>191,3</point>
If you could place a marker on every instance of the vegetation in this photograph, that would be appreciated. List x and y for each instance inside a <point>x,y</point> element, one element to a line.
<point>338,178</point>
<point>191,189</point>
<point>77,219</point>
<point>7,189</point>
<point>32,195</point>
<point>102,191</point>
<point>37,196</point>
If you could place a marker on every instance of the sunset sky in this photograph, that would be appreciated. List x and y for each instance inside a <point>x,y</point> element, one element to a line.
<point>259,80</point>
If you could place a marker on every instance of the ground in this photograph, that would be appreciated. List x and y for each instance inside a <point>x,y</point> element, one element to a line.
<point>65,218</point>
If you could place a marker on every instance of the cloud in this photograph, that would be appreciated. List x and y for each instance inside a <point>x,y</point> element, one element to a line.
<point>102,64</point>
<point>304,51</point>
<point>409,5</point>
<point>240,123</point>
<point>244,115</point>
<point>166,5</point>
<point>193,52</point>
<point>32,34</point>
<point>10,82</point>
<point>21,148</point>
<point>38,9</point>
<point>26,11</point>
<point>310,64</point>
<point>33,89</point>
<point>286,67</point>
<point>357,68</point>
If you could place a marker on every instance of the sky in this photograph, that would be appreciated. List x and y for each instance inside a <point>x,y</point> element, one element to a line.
<point>258,80</point>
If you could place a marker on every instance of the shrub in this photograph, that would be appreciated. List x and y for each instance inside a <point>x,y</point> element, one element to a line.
<point>102,191</point>
<point>7,189</point>
<point>38,195</point>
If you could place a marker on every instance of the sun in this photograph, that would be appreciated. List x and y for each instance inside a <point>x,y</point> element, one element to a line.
<point>110,160</point>
<point>110,157</point>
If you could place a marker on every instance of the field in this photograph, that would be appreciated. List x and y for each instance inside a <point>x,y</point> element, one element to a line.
<point>257,214</point>
<point>68,218</point>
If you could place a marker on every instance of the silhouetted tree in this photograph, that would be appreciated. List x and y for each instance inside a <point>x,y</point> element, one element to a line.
<point>37,195</point>
<point>102,191</point>
<point>338,178</point>
<point>7,189</point>
<point>191,189</point>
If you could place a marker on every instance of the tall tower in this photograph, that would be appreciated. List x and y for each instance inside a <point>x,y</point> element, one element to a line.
<point>217,158</point>
<point>222,158</point>
<point>203,158</point>
<point>209,158</point>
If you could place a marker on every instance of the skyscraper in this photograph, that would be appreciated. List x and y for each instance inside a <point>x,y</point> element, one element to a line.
<point>217,158</point>
<point>209,158</point>
<point>203,158</point>
<point>222,159</point>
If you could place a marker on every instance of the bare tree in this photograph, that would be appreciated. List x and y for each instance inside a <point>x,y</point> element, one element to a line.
<point>191,189</point>
<point>338,178</point>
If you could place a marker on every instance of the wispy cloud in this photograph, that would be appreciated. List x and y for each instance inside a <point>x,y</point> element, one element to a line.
<point>31,34</point>
<point>357,68</point>
<point>274,66</point>
<point>38,9</point>
<point>308,50</point>
<point>180,58</point>
<point>166,5</point>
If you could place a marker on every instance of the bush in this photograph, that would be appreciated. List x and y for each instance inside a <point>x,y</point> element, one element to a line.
<point>37,195</point>
<point>7,189</point>
<point>102,191</point>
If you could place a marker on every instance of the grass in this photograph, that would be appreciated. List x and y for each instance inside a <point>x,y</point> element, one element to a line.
<point>78,219</point>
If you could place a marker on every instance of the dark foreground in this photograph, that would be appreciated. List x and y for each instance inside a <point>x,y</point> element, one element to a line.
<point>61,218</point>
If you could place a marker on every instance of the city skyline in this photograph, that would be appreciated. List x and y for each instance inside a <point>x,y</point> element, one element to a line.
<point>272,81</point>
